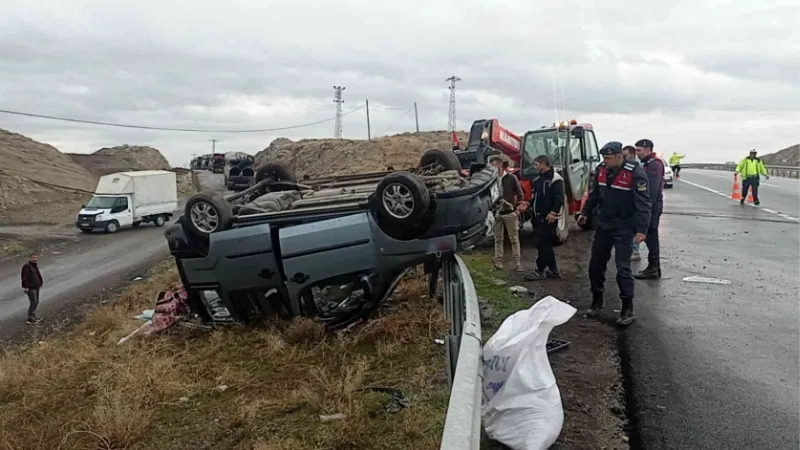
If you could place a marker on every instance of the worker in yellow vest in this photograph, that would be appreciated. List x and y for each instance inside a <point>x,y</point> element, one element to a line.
<point>750,169</point>
<point>675,163</point>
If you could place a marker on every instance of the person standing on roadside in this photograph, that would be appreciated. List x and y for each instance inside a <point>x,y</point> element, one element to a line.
<point>629,152</point>
<point>654,168</point>
<point>675,163</point>
<point>509,216</point>
<point>619,205</point>
<point>750,170</point>
<point>31,284</point>
<point>547,206</point>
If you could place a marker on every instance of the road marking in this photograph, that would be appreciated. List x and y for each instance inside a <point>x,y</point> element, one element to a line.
<point>713,191</point>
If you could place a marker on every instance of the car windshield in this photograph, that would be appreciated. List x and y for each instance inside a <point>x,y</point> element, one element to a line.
<point>101,202</point>
<point>550,143</point>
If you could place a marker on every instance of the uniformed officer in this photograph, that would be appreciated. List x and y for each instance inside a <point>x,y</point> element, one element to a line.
<point>654,168</point>
<point>620,207</point>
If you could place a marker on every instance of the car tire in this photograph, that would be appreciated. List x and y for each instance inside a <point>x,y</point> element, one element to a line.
<point>403,202</point>
<point>207,212</point>
<point>561,233</point>
<point>446,159</point>
<point>112,227</point>
<point>160,220</point>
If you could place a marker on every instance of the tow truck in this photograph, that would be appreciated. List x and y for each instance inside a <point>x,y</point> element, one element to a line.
<point>573,152</point>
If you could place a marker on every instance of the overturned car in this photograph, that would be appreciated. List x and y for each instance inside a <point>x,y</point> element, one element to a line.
<point>332,248</point>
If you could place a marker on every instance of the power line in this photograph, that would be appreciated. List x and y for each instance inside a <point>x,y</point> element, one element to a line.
<point>189,130</point>
<point>396,120</point>
<point>388,107</point>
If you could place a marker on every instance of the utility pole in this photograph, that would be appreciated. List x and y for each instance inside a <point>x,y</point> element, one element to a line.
<point>451,119</point>
<point>337,98</point>
<point>416,116</point>
<point>369,134</point>
<point>214,145</point>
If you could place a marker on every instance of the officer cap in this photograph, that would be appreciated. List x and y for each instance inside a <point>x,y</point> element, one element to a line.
<point>647,143</point>
<point>612,148</point>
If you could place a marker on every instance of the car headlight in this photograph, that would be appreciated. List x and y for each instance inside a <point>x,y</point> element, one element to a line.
<point>495,192</point>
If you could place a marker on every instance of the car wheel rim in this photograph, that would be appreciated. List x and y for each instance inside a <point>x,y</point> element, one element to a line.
<point>204,217</point>
<point>112,227</point>
<point>398,201</point>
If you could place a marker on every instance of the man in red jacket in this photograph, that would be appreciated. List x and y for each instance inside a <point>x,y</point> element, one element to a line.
<point>31,283</point>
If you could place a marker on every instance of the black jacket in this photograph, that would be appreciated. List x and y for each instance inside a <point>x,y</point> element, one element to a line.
<point>619,199</point>
<point>31,277</point>
<point>548,194</point>
<point>654,168</point>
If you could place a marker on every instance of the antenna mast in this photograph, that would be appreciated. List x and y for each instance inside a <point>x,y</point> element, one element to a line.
<point>451,118</point>
<point>337,98</point>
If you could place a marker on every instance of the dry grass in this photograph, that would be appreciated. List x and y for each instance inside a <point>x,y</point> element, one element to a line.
<point>235,388</point>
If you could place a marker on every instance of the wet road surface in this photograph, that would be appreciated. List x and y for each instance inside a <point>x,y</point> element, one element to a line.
<point>90,265</point>
<point>718,366</point>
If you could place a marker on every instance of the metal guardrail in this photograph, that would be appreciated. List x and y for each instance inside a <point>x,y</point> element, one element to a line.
<point>777,171</point>
<point>464,351</point>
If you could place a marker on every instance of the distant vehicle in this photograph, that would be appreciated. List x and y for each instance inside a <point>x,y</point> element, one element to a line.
<point>239,173</point>
<point>130,199</point>
<point>733,163</point>
<point>217,164</point>
<point>668,176</point>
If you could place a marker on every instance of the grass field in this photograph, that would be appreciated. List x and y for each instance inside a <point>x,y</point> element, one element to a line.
<point>233,388</point>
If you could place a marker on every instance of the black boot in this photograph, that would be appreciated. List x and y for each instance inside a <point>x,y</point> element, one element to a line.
<point>626,316</point>
<point>652,272</point>
<point>597,306</point>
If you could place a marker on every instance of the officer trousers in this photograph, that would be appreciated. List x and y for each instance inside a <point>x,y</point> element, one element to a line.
<point>604,242</point>
<point>748,183</point>
<point>653,245</point>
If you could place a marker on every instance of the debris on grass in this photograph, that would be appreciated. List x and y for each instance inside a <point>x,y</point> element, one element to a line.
<point>81,390</point>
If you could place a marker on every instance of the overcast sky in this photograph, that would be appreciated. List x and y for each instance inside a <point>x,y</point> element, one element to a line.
<point>708,78</point>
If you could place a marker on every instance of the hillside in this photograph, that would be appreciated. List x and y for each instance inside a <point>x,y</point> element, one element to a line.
<point>37,182</point>
<point>789,156</point>
<point>321,157</point>
<point>121,158</point>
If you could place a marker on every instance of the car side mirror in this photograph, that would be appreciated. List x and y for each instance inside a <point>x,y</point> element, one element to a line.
<point>578,132</point>
<point>83,205</point>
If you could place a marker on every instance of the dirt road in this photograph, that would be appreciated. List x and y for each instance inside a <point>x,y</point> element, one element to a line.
<point>83,268</point>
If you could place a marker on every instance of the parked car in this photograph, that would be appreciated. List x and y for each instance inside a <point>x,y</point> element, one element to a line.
<point>669,179</point>
<point>331,248</point>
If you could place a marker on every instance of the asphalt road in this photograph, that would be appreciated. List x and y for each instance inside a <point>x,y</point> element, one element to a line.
<point>718,366</point>
<point>85,267</point>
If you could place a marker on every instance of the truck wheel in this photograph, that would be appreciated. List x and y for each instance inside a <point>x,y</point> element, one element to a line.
<point>159,221</point>
<point>562,226</point>
<point>208,212</point>
<point>403,201</point>
<point>446,159</point>
<point>112,227</point>
<point>277,171</point>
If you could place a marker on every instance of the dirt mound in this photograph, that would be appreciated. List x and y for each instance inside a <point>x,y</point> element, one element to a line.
<point>131,157</point>
<point>323,157</point>
<point>37,182</point>
<point>790,156</point>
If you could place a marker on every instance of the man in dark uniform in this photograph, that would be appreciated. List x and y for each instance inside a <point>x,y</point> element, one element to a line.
<point>620,208</point>
<point>654,168</point>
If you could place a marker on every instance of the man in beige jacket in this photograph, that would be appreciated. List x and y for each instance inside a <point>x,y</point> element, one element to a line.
<point>508,221</point>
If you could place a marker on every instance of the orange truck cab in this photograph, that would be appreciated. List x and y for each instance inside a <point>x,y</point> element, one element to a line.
<point>573,152</point>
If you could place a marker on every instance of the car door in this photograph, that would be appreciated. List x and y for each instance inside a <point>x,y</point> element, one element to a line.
<point>577,164</point>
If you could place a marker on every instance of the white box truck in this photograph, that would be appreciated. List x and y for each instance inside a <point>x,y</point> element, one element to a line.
<point>130,199</point>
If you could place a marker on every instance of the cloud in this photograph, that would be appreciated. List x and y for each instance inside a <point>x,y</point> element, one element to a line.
<point>700,74</point>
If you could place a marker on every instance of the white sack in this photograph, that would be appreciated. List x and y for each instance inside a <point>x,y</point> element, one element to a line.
<point>521,401</point>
